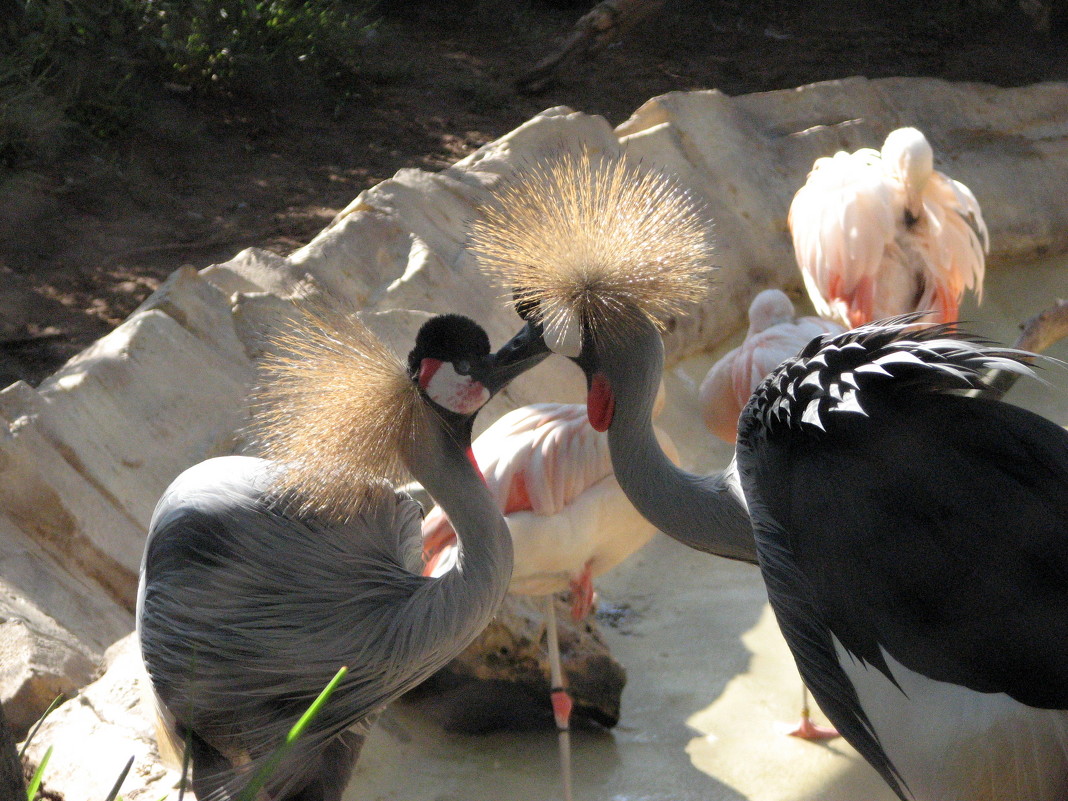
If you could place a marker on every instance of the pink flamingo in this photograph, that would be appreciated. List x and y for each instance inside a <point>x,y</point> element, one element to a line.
<point>775,334</point>
<point>878,234</point>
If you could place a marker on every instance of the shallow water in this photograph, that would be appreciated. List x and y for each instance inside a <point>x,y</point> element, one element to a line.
<point>710,681</point>
<point>1011,297</point>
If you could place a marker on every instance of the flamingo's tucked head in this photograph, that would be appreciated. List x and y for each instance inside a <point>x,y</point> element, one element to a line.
<point>770,307</point>
<point>908,157</point>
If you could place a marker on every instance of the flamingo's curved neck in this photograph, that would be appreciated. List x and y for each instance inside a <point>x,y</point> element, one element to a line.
<point>703,512</point>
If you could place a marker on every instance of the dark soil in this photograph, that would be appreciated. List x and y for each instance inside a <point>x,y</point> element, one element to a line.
<point>85,238</point>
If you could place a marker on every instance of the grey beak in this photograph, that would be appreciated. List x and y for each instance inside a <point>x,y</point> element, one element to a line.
<point>523,351</point>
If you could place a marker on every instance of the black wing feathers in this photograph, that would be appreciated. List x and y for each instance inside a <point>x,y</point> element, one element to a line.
<point>899,520</point>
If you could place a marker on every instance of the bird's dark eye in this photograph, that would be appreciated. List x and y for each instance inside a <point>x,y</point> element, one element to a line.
<point>462,366</point>
<point>524,306</point>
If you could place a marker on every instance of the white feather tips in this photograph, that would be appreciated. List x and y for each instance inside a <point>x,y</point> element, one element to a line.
<point>894,358</point>
<point>899,357</point>
<point>850,403</point>
<point>1008,365</point>
<point>811,415</point>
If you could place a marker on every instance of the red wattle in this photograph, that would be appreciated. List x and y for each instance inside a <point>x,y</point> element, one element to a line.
<point>474,463</point>
<point>600,403</point>
<point>427,368</point>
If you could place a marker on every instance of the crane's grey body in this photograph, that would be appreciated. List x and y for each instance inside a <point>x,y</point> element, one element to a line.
<point>248,590</point>
<point>914,544</point>
<point>240,591</point>
<point>253,593</point>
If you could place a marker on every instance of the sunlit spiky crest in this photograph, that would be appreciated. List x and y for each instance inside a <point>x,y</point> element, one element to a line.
<point>594,239</point>
<point>335,406</point>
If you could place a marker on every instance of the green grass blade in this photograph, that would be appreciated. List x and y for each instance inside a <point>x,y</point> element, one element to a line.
<point>253,788</point>
<point>186,756</point>
<point>317,704</point>
<point>59,699</point>
<point>38,775</point>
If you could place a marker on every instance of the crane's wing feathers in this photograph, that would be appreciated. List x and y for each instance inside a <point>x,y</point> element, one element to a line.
<point>234,557</point>
<point>900,522</point>
<point>834,374</point>
<point>922,543</point>
<point>934,575</point>
<point>813,647</point>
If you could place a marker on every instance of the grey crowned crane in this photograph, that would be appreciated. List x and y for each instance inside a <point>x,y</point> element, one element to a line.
<point>599,255</point>
<point>262,576</point>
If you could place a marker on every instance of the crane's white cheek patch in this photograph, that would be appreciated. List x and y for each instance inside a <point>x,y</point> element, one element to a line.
<point>562,335</point>
<point>457,393</point>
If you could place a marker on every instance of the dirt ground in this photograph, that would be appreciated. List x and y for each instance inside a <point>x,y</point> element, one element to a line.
<point>84,239</point>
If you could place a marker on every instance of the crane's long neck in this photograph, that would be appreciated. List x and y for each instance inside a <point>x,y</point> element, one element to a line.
<point>702,512</point>
<point>470,594</point>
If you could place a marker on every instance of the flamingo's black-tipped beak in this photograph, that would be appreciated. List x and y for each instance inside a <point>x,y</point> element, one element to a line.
<point>522,352</point>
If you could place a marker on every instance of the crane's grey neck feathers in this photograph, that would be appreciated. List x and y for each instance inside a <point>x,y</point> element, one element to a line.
<point>706,513</point>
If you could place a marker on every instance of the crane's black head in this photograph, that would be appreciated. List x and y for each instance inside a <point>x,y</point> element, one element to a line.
<point>449,338</point>
<point>473,374</point>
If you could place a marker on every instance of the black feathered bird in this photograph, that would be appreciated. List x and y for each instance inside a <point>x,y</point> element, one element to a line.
<point>914,543</point>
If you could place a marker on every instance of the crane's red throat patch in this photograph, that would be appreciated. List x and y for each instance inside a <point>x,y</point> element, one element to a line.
<point>600,403</point>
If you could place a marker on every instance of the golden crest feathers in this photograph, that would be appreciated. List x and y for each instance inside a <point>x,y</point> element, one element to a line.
<point>594,241</point>
<point>334,409</point>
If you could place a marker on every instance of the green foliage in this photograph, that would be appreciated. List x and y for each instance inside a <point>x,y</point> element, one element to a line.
<point>87,66</point>
<point>259,781</point>
<point>118,782</point>
<point>35,782</point>
<point>238,43</point>
<point>59,699</point>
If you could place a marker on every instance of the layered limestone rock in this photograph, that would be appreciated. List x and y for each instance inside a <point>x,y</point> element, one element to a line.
<point>93,736</point>
<point>84,456</point>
